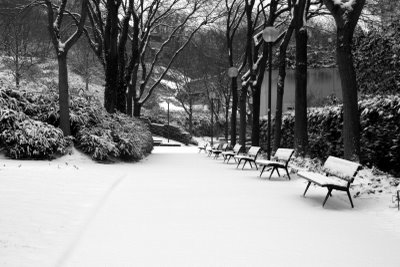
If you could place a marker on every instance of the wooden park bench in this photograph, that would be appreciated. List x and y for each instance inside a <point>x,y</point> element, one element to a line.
<point>213,147</point>
<point>203,148</point>
<point>279,161</point>
<point>219,150</point>
<point>339,175</point>
<point>227,155</point>
<point>250,157</point>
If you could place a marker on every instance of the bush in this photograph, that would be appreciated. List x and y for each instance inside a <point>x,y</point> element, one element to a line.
<point>30,139</point>
<point>201,121</point>
<point>174,132</point>
<point>28,125</point>
<point>380,132</point>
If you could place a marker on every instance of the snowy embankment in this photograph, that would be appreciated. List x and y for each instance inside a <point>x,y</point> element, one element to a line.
<point>181,208</point>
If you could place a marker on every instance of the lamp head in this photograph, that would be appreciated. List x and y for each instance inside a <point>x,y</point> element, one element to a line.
<point>270,34</point>
<point>233,72</point>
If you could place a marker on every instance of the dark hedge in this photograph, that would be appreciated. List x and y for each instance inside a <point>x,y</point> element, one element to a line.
<point>380,132</point>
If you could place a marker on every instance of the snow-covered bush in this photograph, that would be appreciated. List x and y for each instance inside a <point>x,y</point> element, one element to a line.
<point>97,143</point>
<point>379,125</point>
<point>30,139</point>
<point>115,136</point>
<point>97,133</point>
<point>171,131</point>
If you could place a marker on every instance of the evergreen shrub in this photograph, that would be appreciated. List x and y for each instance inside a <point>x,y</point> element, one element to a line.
<point>379,128</point>
<point>28,125</point>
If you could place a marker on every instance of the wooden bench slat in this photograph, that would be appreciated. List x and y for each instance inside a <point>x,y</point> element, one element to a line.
<point>322,180</point>
<point>342,168</point>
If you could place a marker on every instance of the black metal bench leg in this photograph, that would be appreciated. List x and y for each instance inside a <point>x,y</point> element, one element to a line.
<point>278,172</point>
<point>327,196</point>
<point>351,201</point>
<point>244,164</point>
<point>398,199</point>
<point>238,163</point>
<point>273,169</point>
<point>262,170</point>
<point>255,164</point>
<point>251,166</point>
<point>287,172</point>
<point>308,185</point>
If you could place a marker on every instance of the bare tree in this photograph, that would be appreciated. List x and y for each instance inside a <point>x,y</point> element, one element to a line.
<point>84,62</point>
<point>151,27</point>
<point>234,16</point>
<point>346,15</point>
<point>62,44</point>
<point>18,39</point>
<point>300,129</point>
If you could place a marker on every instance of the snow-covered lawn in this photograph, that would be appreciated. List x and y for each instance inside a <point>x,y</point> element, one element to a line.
<point>181,208</point>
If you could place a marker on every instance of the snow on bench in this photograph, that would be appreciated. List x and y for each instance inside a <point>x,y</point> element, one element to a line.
<point>339,174</point>
<point>250,157</point>
<point>280,160</point>
<point>229,154</point>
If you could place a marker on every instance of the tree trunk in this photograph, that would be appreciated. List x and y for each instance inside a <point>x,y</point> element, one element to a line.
<point>136,107</point>
<point>243,115</point>
<point>280,88</point>
<point>300,128</point>
<point>132,90</point>
<point>122,86</point>
<point>351,116</point>
<point>63,93</point>
<point>227,119</point>
<point>190,116</point>
<point>255,133</point>
<point>87,85</point>
<point>234,110</point>
<point>279,107</point>
<point>17,74</point>
<point>111,58</point>
<point>111,74</point>
<point>346,20</point>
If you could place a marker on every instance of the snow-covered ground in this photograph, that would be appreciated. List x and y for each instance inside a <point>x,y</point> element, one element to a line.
<point>181,208</point>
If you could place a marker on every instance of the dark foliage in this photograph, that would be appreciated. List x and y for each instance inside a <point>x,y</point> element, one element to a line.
<point>380,132</point>
<point>377,60</point>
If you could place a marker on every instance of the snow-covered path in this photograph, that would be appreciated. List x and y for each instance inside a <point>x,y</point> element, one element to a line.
<point>180,208</point>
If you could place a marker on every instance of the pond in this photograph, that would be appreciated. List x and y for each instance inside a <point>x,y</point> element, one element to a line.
<point>320,84</point>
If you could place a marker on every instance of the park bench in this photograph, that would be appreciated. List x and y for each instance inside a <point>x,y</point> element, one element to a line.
<point>219,150</point>
<point>157,142</point>
<point>339,175</point>
<point>227,155</point>
<point>250,157</point>
<point>211,148</point>
<point>279,161</point>
<point>203,148</point>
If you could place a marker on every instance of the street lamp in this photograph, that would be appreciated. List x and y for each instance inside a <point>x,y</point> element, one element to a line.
<point>233,72</point>
<point>270,34</point>
<point>168,119</point>
<point>213,96</point>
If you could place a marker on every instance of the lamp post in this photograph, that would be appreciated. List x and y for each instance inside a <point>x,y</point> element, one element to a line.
<point>213,95</point>
<point>233,72</point>
<point>168,120</point>
<point>270,34</point>
<point>330,41</point>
